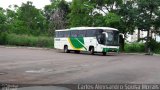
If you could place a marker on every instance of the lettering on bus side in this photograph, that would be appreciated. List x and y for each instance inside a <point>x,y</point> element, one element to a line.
<point>57,39</point>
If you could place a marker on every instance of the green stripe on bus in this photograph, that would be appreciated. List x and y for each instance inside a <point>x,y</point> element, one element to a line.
<point>78,43</point>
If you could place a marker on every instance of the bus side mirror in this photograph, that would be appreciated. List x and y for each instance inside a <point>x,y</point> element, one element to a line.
<point>121,34</point>
<point>105,34</point>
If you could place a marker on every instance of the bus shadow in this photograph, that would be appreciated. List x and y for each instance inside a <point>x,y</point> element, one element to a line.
<point>87,54</point>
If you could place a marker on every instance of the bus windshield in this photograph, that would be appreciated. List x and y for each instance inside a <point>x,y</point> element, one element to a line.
<point>112,38</point>
<point>109,38</point>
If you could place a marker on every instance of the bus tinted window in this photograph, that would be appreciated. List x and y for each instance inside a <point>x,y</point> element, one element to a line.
<point>82,33</point>
<point>74,33</point>
<point>56,34</point>
<point>78,33</point>
<point>99,31</point>
<point>61,34</point>
<point>91,33</point>
<point>66,33</point>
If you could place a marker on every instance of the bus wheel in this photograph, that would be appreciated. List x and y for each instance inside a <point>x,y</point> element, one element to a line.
<point>66,49</point>
<point>104,53</point>
<point>92,50</point>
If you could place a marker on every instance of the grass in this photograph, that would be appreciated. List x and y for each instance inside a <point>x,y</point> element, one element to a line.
<point>134,47</point>
<point>140,47</point>
<point>27,40</point>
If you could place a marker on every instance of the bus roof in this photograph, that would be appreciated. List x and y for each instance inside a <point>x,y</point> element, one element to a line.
<point>88,28</point>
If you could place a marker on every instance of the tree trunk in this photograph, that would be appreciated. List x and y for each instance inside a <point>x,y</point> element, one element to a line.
<point>147,48</point>
<point>121,42</point>
<point>138,35</point>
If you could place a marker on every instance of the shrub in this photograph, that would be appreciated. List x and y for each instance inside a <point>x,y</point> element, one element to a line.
<point>3,38</point>
<point>27,40</point>
<point>134,47</point>
<point>45,42</point>
<point>155,46</point>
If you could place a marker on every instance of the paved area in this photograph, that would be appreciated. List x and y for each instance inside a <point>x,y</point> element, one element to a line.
<point>42,66</point>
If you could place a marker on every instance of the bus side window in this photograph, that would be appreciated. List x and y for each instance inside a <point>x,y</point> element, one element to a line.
<point>99,32</point>
<point>67,33</point>
<point>57,34</point>
<point>74,33</point>
<point>61,34</point>
<point>82,33</point>
<point>91,33</point>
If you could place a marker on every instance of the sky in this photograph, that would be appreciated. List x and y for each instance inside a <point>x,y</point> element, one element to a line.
<point>38,3</point>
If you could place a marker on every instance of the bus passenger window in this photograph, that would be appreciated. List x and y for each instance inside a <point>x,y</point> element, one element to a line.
<point>57,34</point>
<point>91,33</point>
<point>61,34</point>
<point>66,33</point>
<point>74,33</point>
<point>82,33</point>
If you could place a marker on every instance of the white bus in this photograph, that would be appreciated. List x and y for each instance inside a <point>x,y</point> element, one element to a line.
<point>91,39</point>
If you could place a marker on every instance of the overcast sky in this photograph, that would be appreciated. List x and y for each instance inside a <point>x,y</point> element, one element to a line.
<point>38,3</point>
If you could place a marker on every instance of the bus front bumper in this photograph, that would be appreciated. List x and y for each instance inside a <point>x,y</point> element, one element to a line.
<point>110,50</point>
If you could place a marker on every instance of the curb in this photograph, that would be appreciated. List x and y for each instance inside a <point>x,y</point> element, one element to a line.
<point>141,54</point>
<point>23,47</point>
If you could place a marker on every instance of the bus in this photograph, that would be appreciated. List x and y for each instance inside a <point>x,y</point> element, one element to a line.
<point>90,39</point>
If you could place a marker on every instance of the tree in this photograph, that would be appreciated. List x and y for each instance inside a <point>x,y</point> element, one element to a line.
<point>107,5</point>
<point>26,20</point>
<point>56,14</point>
<point>92,12</point>
<point>2,26</point>
<point>124,19</point>
<point>148,17</point>
<point>2,21</point>
<point>112,20</point>
<point>128,17</point>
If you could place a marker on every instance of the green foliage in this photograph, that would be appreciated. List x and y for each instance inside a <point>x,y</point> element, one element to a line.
<point>56,15</point>
<point>2,21</point>
<point>81,13</point>
<point>134,47</point>
<point>109,5</point>
<point>148,14</point>
<point>140,47</point>
<point>3,38</point>
<point>26,40</point>
<point>99,21</point>
<point>112,20</point>
<point>128,15</point>
<point>148,17</point>
<point>154,46</point>
<point>26,20</point>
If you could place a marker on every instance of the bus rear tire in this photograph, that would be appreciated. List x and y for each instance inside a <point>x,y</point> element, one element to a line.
<point>66,49</point>
<point>104,53</point>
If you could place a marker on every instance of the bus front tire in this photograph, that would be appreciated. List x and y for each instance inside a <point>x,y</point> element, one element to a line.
<point>92,51</point>
<point>66,49</point>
